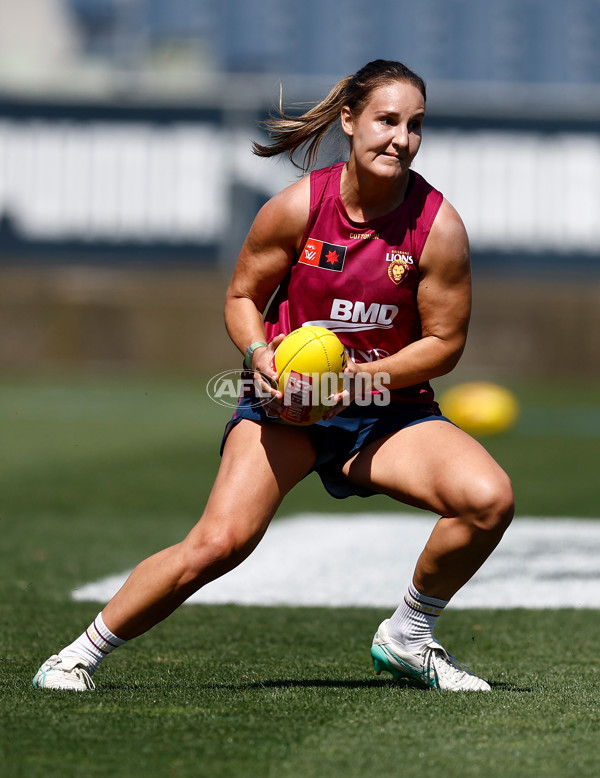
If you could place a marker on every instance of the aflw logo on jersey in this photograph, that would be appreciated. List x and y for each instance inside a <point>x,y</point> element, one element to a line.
<point>329,256</point>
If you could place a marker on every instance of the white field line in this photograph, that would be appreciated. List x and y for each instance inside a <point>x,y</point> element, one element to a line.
<point>367,560</point>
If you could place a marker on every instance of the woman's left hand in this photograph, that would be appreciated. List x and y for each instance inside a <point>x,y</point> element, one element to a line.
<point>342,399</point>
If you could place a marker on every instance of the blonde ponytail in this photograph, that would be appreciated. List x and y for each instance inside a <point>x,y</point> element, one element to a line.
<point>289,133</point>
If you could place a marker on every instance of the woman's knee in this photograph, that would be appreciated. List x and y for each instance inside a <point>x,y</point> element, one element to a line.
<point>212,554</point>
<point>490,505</point>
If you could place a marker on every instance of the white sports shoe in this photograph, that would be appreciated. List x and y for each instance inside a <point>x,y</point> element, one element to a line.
<point>69,672</point>
<point>432,666</point>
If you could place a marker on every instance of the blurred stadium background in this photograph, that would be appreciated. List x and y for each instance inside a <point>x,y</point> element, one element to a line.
<point>127,183</point>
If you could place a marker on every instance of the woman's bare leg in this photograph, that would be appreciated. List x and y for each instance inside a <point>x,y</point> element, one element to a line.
<point>260,464</point>
<point>436,466</point>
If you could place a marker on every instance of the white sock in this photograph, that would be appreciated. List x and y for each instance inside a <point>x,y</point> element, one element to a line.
<point>413,622</point>
<point>94,644</point>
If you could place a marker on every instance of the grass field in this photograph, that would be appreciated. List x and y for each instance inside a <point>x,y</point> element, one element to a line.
<point>97,473</point>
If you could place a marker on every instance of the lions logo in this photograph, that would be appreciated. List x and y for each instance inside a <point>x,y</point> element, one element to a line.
<point>397,270</point>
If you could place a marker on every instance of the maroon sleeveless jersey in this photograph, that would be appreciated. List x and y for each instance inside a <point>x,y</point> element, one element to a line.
<point>359,279</point>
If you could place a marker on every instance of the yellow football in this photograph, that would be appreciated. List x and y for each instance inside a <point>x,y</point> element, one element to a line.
<point>480,408</point>
<point>310,363</point>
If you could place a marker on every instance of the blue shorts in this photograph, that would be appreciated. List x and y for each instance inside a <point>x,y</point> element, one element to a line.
<point>338,439</point>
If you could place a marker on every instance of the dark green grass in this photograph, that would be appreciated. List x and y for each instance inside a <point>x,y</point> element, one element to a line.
<point>98,473</point>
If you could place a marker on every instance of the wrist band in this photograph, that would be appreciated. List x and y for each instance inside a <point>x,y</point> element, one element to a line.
<point>250,350</point>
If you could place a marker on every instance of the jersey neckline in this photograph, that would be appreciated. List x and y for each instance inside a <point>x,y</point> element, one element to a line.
<point>378,220</point>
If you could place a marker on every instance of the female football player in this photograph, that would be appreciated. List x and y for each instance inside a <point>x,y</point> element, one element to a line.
<point>372,251</point>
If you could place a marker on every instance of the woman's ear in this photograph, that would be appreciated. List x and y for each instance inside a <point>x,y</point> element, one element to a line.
<point>346,121</point>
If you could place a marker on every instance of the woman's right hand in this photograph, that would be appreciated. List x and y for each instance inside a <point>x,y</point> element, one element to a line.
<point>266,378</point>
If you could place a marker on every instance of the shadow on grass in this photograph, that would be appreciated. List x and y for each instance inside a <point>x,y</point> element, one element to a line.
<point>309,683</point>
<point>499,686</point>
<point>283,683</point>
<point>324,683</point>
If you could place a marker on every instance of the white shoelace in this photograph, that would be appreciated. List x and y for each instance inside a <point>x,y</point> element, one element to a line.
<point>450,666</point>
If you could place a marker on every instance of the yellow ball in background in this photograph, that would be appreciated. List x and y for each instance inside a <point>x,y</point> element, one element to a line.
<point>480,408</point>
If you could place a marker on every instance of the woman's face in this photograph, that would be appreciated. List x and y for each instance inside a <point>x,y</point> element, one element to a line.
<point>386,136</point>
